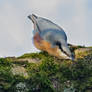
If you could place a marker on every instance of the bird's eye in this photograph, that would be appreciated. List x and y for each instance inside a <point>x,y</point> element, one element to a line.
<point>60,47</point>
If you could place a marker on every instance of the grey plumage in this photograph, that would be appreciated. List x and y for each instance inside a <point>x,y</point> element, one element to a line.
<point>52,33</point>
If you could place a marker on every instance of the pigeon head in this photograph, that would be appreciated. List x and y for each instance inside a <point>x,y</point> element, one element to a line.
<point>64,50</point>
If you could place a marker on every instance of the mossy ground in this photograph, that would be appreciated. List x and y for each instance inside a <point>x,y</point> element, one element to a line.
<point>40,72</point>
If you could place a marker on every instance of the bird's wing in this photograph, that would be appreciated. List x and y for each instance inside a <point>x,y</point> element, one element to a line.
<point>53,36</point>
<point>44,24</point>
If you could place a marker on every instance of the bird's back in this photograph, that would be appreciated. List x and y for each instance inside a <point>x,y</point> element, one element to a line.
<point>49,30</point>
<point>52,35</point>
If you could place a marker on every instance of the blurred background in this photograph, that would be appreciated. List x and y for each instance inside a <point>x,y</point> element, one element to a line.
<point>74,16</point>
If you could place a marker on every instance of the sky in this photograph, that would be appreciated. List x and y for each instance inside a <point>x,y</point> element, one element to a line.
<point>74,16</point>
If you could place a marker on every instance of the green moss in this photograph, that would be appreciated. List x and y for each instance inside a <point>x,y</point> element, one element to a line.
<point>49,75</point>
<point>34,55</point>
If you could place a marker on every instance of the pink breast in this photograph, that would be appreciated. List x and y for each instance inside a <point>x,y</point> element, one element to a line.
<point>37,38</point>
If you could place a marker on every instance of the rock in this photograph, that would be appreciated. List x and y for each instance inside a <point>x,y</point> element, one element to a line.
<point>82,52</point>
<point>19,70</point>
<point>21,87</point>
<point>40,72</point>
<point>29,60</point>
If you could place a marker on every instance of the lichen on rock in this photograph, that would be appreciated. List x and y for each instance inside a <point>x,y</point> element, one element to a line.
<point>19,70</point>
<point>41,72</point>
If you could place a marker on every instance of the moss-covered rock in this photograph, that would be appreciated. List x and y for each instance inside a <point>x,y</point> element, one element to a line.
<point>40,72</point>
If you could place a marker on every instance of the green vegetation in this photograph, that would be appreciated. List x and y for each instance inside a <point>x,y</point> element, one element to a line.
<point>40,72</point>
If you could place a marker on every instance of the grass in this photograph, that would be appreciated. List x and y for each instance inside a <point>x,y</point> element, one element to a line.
<point>49,75</point>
